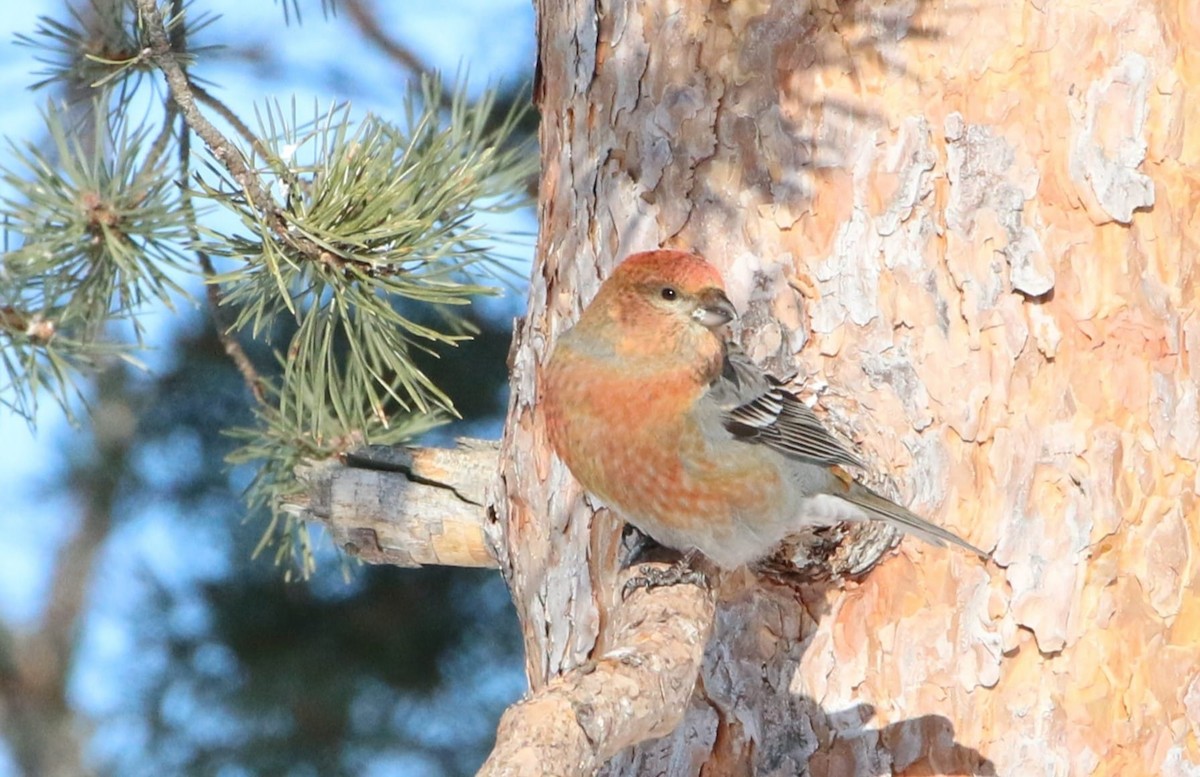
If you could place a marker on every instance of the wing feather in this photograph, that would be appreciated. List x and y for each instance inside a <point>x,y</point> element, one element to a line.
<point>758,408</point>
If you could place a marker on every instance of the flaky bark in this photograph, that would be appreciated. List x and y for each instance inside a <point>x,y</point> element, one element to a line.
<point>972,229</point>
<point>407,506</point>
<point>636,689</point>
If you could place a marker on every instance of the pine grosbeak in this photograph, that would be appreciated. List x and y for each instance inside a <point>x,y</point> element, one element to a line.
<point>677,431</point>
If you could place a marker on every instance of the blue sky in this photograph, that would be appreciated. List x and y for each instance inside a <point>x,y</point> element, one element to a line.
<point>490,38</point>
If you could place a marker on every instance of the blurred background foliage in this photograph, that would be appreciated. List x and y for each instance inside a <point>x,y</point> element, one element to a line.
<point>138,636</point>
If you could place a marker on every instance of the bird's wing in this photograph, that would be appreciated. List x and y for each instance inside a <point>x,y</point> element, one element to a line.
<point>756,407</point>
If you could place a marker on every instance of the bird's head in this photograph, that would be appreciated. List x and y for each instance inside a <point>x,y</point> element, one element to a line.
<point>670,285</point>
<point>658,308</point>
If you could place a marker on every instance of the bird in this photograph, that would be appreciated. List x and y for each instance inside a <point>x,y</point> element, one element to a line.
<point>663,419</point>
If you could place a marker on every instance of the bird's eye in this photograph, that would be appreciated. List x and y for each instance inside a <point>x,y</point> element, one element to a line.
<point>668,293</point>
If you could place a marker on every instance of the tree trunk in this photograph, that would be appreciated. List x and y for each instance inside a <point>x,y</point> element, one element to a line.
<point>972,229</point>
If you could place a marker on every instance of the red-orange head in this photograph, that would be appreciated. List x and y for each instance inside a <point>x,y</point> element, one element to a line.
<point>688,272</point>
<point>659,291</point>
<point>659,310</point>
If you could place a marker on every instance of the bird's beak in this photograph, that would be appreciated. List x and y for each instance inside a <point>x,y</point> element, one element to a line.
<point>715,309</point>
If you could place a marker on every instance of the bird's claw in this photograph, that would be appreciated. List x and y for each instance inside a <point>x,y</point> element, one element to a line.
<point>679,573</point>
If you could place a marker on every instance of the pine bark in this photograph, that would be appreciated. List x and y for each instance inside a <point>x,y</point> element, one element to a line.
<point>972,229</point>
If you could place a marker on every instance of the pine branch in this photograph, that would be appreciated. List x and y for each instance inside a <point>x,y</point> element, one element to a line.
<point>229,343</point>
<point>226,113</point>
<point>356,241</point>
<point>101,232</point>
<point>404,506</point>
<point>222,149</point>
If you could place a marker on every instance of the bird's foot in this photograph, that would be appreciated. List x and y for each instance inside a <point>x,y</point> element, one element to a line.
<point>679,573</point>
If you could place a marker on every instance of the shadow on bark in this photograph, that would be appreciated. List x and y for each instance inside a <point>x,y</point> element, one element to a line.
<point>761,122</point>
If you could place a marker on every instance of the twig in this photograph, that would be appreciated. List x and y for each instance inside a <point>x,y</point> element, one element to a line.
<point>233,349</point>
<point>177,81</point>
<point>222,149</point>
<point>235,121</point>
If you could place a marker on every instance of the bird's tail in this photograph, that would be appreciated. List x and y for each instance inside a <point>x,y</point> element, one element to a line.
<point>908,522</point>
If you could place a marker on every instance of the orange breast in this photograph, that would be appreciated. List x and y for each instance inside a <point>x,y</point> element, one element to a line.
<point>633,442</point>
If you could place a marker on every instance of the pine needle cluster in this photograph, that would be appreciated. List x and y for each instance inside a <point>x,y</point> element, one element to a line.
<point>343,244</point>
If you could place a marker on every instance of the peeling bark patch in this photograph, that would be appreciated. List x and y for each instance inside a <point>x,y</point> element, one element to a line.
<point>913,159</point>
<point>1174,415</point>
<point>1166,558</point>
<point>771,323</point>
<point>896,370</point>
<point>849,279</point>
<point>1179,764</point>
<point>1042,556</point>
<point>1109,143</point>
<point>980,648</point>
<point>979,166</point>
<point>784,166</point>
<point>630,57</point>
